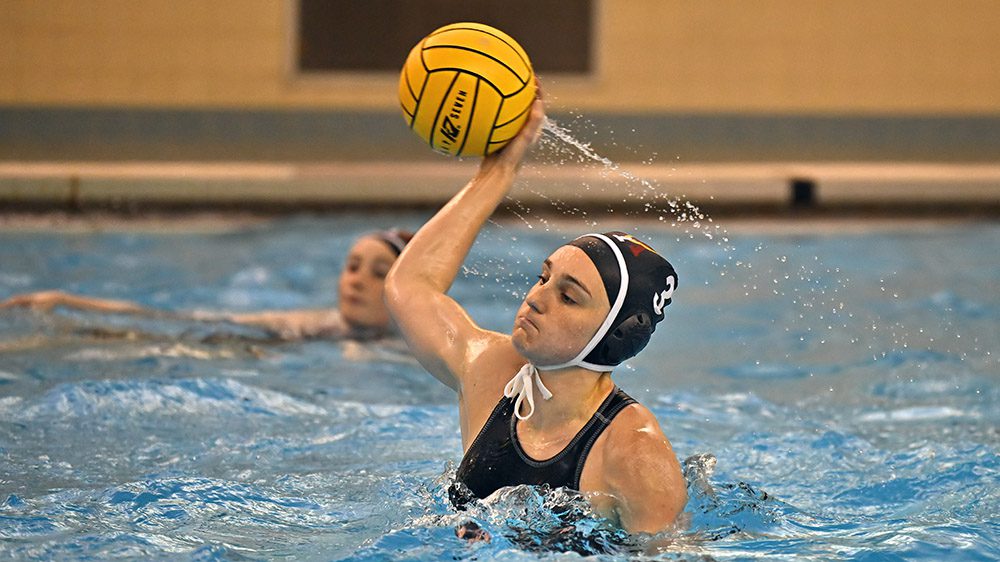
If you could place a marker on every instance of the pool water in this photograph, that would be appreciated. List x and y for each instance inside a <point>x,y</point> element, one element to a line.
<point>834,394</point>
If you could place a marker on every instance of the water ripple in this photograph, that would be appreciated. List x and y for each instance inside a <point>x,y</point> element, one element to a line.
<point>212,397</point>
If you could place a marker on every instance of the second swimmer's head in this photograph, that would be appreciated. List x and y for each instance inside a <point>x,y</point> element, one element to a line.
<point>607,293</point>
<point>362,280</point>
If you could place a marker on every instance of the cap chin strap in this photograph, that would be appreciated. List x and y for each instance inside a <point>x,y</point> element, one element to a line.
<point>522,387</point>
<point>521,384</point>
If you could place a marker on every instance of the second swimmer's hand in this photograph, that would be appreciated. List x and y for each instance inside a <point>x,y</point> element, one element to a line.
<point>511,155</point>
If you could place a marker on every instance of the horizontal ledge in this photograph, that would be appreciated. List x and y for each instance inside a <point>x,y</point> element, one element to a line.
<point>408,183</point>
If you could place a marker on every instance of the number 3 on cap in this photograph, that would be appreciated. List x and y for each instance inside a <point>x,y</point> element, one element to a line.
<point>660,300</point>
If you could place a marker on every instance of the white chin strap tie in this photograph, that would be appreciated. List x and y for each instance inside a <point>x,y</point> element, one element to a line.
<point>522,387</point>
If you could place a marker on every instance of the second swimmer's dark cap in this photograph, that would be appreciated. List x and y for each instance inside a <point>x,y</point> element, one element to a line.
<point>640,284</point>
<point>395,238</point>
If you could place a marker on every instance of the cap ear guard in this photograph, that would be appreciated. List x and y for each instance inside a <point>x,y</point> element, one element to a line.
<point>627,339</point>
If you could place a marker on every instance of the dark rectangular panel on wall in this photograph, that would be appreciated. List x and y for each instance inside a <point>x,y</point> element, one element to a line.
<point>376,35</point>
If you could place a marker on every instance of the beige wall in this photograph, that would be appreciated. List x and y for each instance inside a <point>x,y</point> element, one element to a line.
<point>923,57</point>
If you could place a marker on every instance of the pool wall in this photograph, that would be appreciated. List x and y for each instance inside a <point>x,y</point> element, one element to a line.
<point>791,105</point>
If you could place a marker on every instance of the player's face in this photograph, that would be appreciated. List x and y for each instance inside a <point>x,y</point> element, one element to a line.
<point>563,310</point>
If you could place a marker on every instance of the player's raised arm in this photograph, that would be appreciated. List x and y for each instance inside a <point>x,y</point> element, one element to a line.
<point>437,329</point>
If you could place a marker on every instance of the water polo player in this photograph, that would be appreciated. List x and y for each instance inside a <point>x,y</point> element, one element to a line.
<point>360,313</point>
<point>538,406</point>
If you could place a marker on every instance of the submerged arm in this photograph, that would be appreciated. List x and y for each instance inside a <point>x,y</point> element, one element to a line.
<point>289,324</point>
<point>437,329</point>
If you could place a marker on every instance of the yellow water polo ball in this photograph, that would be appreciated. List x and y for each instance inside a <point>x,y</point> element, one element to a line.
<point>466,89</point>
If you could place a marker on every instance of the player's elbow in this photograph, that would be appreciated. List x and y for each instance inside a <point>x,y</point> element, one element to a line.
<point>395,292</point>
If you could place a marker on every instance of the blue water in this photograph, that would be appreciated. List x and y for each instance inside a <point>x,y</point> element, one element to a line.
<point>834,393</point>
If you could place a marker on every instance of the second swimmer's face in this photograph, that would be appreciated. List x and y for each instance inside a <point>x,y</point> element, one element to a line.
<point>563,310</point>
<point>362,283</point>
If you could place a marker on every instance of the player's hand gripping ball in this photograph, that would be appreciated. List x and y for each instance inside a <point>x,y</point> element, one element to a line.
<point>467,89</point>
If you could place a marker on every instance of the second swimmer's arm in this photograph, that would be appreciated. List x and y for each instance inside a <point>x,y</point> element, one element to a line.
<point>288,324</point>
<point>436,328</point>
<point>47,300</point>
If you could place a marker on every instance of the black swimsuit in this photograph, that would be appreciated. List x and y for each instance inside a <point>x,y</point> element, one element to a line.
<point>496,459</point>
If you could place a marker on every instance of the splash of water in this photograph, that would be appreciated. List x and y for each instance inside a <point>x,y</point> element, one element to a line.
<point>683,212</point>
<point>561,146</point>
<point>539,519</point>
<point>821,293</point>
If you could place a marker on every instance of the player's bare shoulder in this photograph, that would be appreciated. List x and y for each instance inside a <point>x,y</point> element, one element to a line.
<point>637,447</point>
<point>635,426</point>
